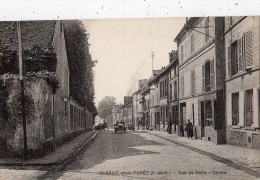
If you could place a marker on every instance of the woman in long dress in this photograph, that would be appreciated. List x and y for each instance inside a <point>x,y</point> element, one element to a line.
<point>189,129</point>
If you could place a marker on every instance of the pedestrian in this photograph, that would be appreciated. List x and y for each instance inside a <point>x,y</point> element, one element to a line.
<point>189,129</point>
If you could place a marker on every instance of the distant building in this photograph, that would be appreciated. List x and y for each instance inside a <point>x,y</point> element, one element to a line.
<point>116,113</point>
<point>137,106</point>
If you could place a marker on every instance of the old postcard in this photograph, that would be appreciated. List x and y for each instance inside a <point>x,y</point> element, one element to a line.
<point>156,97</point>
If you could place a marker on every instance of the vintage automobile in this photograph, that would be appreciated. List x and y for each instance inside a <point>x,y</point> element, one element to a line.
<point>120,127</point>
<point>131,127</point>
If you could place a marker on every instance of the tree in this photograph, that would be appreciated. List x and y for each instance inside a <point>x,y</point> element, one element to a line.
<point>105,106</point>
<point>80,64</point>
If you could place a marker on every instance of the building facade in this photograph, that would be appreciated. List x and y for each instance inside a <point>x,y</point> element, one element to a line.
<point>173,99</point>
<point>201,78</point>
<point>242,79</point>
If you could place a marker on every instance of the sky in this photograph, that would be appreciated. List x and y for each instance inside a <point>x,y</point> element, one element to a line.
<point>123,49</point>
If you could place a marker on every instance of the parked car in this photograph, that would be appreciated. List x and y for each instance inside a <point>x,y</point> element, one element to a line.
<point>120,127</point>
<point>131,127</point>
<point>99,126</point>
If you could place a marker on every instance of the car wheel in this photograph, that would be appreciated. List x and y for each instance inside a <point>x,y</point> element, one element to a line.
<point>115,131</point>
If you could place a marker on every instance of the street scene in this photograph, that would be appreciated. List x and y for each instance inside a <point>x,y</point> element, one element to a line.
<point>158,98</point>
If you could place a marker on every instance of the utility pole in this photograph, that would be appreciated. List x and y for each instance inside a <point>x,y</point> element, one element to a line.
<point>25,148</point>
<point>152,55</point>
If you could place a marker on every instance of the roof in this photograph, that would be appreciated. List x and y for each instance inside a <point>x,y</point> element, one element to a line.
<point>185,28</point>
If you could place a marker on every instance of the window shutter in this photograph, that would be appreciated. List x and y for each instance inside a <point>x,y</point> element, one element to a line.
<point>249,49</point>
<point>203,78</point>
<point>215,124</point>
<point>212,72</point>
<point>182,86</point>
<point>192,82</point>
<point>239,53</point>
<point>229,62</point>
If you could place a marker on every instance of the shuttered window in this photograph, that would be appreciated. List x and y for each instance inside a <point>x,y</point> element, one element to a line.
<point>203,78</point>
<point>175,89</point>
<point>249,49</point>
<point>207,29</point>
<point>182,86</point>
<point>249,107</point>
<point>235,108</point>
<point>192,82</point>
<point>229,62</point>
<point>181,53</point>
<point>234,58</point>
<point>240,54</point>
<point>212,76</point>
<point>207,76</point>
<point>192,43</point>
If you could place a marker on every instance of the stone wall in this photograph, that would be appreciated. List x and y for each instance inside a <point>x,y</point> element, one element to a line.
<point>38,117</point>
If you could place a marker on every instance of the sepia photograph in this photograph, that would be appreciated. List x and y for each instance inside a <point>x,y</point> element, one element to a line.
<point>130,98</point>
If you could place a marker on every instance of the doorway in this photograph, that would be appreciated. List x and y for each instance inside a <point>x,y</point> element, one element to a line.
<point>182,118</point>
<point>202,119</point>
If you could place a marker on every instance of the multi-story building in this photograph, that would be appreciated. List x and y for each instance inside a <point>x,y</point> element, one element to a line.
<point>145,94</point>
<point>137,106</point>
<point>154,101</point>
<point>126,110</point>
<point>116,115</point>
<point>173,103</point>
<point>161,82</point>
<point>242,79</point>
<point>201,77</point>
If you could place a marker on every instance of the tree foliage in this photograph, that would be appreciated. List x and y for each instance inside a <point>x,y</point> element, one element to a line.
<point>105,106</point>
<point>80,64</point>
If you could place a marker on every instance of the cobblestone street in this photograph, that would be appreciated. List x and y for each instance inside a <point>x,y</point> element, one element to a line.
<point>134,155</point>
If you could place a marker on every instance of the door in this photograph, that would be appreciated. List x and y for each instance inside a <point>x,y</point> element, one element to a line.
<point>182,118</point>
<point>202,119</point>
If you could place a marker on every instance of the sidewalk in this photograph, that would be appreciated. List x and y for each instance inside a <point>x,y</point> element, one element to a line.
<point>61,154</point>
<point>244,157</point>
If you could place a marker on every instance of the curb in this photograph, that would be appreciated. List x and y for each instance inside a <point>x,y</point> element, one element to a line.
<point>73,154</point>
<point>214,156</point>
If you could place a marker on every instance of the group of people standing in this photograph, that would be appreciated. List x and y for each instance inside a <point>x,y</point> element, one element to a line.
<point>188,128</point>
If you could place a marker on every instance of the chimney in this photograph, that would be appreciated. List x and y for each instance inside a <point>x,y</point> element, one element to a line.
<point>172,56</point>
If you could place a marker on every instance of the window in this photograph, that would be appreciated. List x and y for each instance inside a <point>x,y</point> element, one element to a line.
<point>192,43</point>
<point>249,107</point>
<point>175,70</point>
<point>207,29</point>
<point>234,59</point>
<point>208,78</point>
<point>182,86</point>
<point>192,82</point>
<point>208,113</point>
<point>240,54</point>
<point>235,109</point>
<point>170,91</point>
<point>175,90</point>
<point>166,88</point>
<point>181,53</point>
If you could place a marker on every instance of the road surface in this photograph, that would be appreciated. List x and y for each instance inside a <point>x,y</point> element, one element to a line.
<point>133,155</point>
